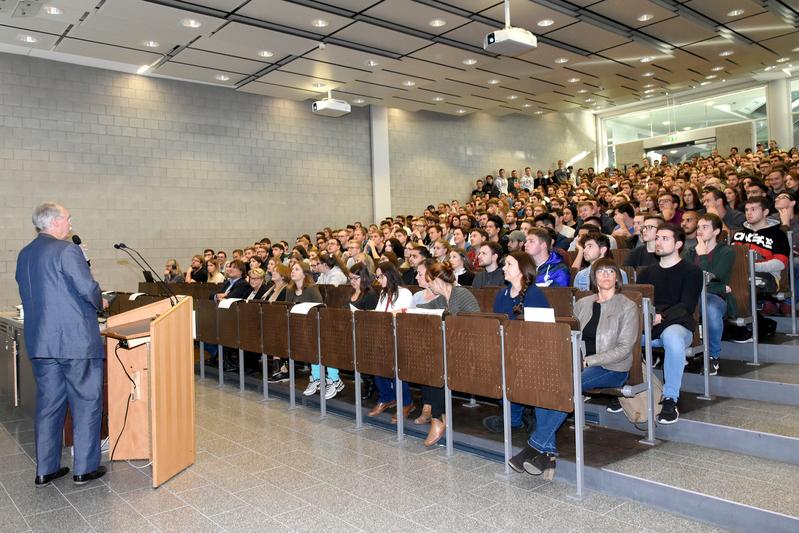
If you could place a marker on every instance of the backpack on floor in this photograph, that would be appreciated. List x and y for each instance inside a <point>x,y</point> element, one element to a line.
<point>635,408</point>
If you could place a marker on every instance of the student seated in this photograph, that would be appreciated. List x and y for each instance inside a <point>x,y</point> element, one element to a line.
<point>593,247</point>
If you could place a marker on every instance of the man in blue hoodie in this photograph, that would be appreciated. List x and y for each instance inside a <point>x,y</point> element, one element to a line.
<point>552,271</point>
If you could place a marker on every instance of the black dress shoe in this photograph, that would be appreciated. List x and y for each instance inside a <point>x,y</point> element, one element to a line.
<point>85,478</point>
<point>367,389</point>
<point>43,481</point>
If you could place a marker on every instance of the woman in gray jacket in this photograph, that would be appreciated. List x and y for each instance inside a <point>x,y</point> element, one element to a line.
<point>609,325</point>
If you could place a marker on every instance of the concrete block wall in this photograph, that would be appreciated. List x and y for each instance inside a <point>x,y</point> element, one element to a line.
<point>168,167</point>
<point>437,157</point>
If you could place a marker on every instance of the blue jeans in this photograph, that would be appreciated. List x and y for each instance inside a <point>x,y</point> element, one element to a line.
<point>332,373</point>
<point>674,340</point>
<point>548,421</point>
<point>716,309</point>
<point>386,392</point>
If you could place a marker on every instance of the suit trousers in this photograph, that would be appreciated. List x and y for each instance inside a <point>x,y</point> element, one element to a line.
<point>79,383</point>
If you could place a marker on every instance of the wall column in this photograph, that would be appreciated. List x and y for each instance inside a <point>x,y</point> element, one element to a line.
<point>778,107</point>
<point>381,172</point>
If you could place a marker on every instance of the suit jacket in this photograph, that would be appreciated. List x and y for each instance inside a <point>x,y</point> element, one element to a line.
<point>240,289</point>
<point>60,299</point>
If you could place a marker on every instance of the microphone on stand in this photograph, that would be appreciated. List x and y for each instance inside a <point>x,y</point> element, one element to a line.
<point>76,240</point>
<point>161,283</point>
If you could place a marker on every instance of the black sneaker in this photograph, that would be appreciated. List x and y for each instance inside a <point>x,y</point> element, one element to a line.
<point>714,367</point>
<point>280,376</point>
<point>668,413</point>
<point>517,461</point>
<point>614,406</point>
<point>542,463</point>
<point>494,424</point>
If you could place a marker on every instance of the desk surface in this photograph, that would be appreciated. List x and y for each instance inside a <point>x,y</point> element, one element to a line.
<point>131,330</point>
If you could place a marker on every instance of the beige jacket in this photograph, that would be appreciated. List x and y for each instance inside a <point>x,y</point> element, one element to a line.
<point>616,332</point>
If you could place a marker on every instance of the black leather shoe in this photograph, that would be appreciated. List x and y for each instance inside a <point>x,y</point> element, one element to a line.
<point>43,481</point>
<point>367,389</point>
<point>85,478</point>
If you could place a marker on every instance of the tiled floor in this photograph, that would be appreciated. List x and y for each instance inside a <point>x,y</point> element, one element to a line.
<point>262,468</point>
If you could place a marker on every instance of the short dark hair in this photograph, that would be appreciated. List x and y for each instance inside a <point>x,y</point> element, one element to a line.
<point>424,251</point>
<point>714,220</point>
<point>497,220</point>
<point>546,218</point>
<point>604,262</point>
<point>542,235</point>
<point>481,231</point>
<point>676,231</point>
<point>761,200</point>
<point>601,240</point>
<point>208,250</point>
<point>627,209</point>
<point>495,247</point>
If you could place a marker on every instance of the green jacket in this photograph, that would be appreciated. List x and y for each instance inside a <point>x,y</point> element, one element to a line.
<point>721,268</point>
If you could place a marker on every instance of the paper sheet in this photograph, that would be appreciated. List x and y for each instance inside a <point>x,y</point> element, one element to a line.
<point>227,302</point>
<point>539,314</point>
<point>422,311</point>
<point>135,295</point>
<point>303,308</point>
<point>194,324</point>
<point>353,308</point>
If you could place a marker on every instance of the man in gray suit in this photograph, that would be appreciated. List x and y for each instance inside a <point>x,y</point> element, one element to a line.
<point>61,300</point>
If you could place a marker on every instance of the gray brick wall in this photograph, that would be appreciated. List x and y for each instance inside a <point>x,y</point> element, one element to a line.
<point>167,166</point>
<point>436,157</point>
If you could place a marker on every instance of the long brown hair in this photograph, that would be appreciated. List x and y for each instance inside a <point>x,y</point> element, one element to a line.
<point>529,272</point>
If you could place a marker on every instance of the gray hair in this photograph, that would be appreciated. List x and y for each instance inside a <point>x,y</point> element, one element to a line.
<point>45,214</point>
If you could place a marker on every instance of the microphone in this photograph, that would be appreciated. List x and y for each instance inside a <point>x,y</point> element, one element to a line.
<point>76,240</point>
<point>160,282</point>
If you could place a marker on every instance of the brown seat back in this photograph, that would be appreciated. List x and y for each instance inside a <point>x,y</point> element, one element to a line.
<point>630,271</point>
<point>304,335</point>
<point>206,322</point>
<point>189,289</point>
<point>485,297</point>
<point>120,304</point>
<point>739,282</point>
<point>335,331</point>
<point>150,288</point>
<point>338,297</point>
<point>374,343</point>
<point>561,299</point>
<point>250,338</point>
<point>420,349</point>
<point>538,365</point>
<point>228,325</point>
<point>636,375</point>
<point>620,255</point>
<point>275,329</point>
<point>474,354</point>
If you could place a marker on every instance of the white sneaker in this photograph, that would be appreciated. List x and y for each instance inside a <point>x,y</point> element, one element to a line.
<point>312,388</point>
<point>332,388</point>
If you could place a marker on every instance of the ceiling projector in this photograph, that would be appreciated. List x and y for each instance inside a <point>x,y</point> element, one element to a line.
<point>329,107</point>
<point>510,41</point>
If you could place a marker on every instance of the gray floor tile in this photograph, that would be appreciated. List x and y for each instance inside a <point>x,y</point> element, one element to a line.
<point>34,501</point>
<point>252,462</point>
<point>309,519</point>
<point>149,501</point>
<point>289,479</point>
<point>94,500</point>
<point>65,520</point>
<point>439,518</point>
<point>655,520</point>
<point>451,497</point>
<point>211,500</point>
<point>270,500</point>
<point>127,480</point>
<point>11,520</point>
<point>182,520</point>
<point>186,480</point>
<point>593,501</point>
<point>248,520</point>
<point>221,447</point>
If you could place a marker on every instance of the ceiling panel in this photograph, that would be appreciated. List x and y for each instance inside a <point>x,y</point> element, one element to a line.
<point>762,26</point>
<point>587,37</point>
<point>416,16</point>
<point>369,89</point>
<point>679,32</point>
<point>526,14</point>
<point>631,54</point>
<point>718,9</point>
<point>471,33</point>
<point>206,75</point>
<point>72,11</point>
<point>248,42</point>
<point>357,100</point>
<point>107,52</point>
<point>298,81</point>
<point>381,38</point>
<point>18,37</point>
<point>219,61</point>
<point>340,55</point>
<point>395,80</point>
<point>602,67</point>
<point>318,69</point>
<point>409,104</point>
<point>356,6</point>
<point>425,69</point>
<point>473,6</point>
<point>786,46</point>
<point>451,56</point>
<point>222,5</point>
<point>510,66</point>
<point>294,16</point>
<point>627,12</point>
<point>277,91</point>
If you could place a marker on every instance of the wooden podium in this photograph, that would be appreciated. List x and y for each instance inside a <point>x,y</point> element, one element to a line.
<point>150,359</point>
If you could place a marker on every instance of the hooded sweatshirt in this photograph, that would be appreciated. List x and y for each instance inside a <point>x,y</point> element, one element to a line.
<point>553,273</point>
<point>770,244</point>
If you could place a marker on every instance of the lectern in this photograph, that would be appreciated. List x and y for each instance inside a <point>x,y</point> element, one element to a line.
<point>150,360</point>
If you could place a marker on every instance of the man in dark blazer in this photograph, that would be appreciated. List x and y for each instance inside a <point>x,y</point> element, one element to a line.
<point>61,300</point>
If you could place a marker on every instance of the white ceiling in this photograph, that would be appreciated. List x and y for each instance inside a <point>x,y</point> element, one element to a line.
<point>386,52</point>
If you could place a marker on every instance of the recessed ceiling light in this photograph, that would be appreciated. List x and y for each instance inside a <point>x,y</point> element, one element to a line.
<point>711,77</point>
<point>726,53</point>
<point>645,17</point>
<point>190,23</point>
<point>649,91</point>
<point>735,13</point>
<point>768,68</point>
<point>717,69</point>
<point>318,85</point>
<point>527,105</point>
<point>358,101</point>
<point>151,44</point>
<point>783,59</point>
<point>25,38</point>
<point>461,111</point>
<point>704,83</point>
<point>469,61</point>
<point>409,83</point>
<point>538,113</point>
<point>573,80</point>
<point>686,128</point>
<point>545,22</point>
<point>319,23</point>
<point>222,77</point>
<point>562,60</point>
<point>438,98</point>
<point>666,122</point>
<point>647,59</point>
<point>582,91</point>
<point>795,49</point>
<point>266,53</point>
<point>649,85</point>
<point>647,74</point>
<point>437,23</point>
<point>648,95</point>
<point>52,10</point>
<point>371,63</point>
<point>493,81</point>
<point>512,97</point>
<point>588,100</point>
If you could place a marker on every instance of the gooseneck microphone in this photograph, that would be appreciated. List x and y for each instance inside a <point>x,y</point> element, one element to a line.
<point>161,283</point>
<point>76,240</point>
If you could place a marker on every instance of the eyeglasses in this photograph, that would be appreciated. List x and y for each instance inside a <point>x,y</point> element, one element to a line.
<point>649,227</point>
<point>355,278</point>
<point>605,272</point>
